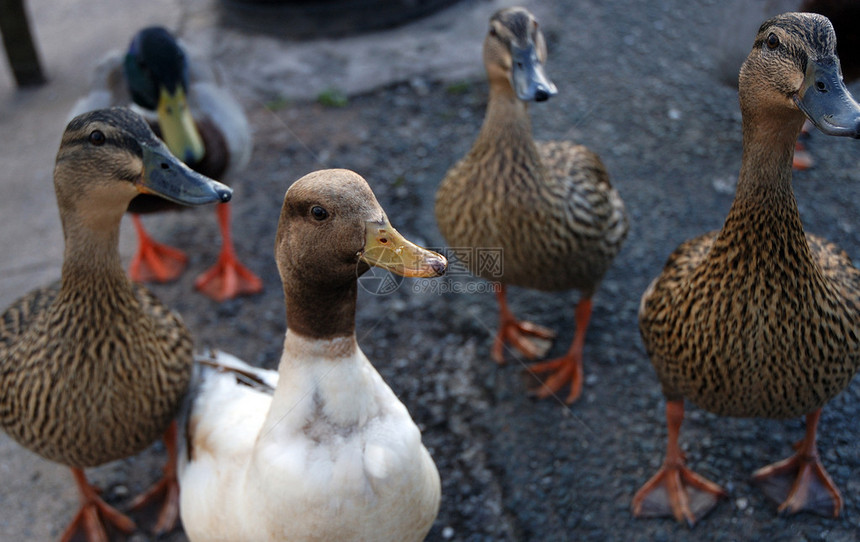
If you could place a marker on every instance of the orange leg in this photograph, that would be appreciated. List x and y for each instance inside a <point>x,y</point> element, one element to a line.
<point>167,487</point>
<point>800,482</point>
<point>228,278</point>
<point>154,261</point>
<point>516,332</point>
<point>93,509</point>
<point>802,159</point>
<point>568,368</point>
<point>676,490</point>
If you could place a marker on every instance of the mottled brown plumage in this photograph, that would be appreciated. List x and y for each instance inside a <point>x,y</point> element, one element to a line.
<point>549,206</point>
<point>762,319</point>
<point>93,368</point>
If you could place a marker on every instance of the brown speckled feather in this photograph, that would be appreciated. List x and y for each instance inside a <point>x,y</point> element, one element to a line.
<point>737,339</point>
<point>93,368</point>
<point>91,375</point>
<point>759,319</point>
<point>550,206</point>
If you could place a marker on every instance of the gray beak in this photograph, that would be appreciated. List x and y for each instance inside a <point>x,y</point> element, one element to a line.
<point>824,99</point>
<point>166,176</point>
<point>529,78</point>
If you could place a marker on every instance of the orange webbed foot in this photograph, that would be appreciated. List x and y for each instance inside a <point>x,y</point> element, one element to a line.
<point>154,262</point>
<point>676,490</point>
<point>568,368</point>
<point>227,279</point>
<point>679,492</point>
<point>800,482</point>
<point>93,510</point>
<point>166,489</point>
<point>532,340</point>
<point>564,370</point>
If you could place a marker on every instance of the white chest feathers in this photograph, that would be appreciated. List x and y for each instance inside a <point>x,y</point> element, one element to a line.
<point>331,455</point>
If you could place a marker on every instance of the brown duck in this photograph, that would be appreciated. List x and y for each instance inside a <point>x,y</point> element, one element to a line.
<point>549,207</point>
<point>93,368</point>
<point>760,319</point>
<point>845,16</point>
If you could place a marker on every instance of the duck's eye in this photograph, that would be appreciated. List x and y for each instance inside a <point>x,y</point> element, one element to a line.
<point>97,138</point>
<point>772,41</point>
<point>319,213</point>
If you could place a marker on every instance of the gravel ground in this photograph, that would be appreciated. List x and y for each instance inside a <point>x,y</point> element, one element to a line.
<point>640,84</point>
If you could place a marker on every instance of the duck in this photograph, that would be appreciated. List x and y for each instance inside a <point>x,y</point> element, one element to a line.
<point>94,367</point>
<point>202,123</point>
<point>321,449</point>
<point>549,208</point>
<point>741,20</point>
<point>760,319</point>
<point>845,16</point>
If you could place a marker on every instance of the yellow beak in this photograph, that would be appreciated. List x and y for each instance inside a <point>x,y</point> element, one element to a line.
<point>177,126</point>
<point>387,249</point>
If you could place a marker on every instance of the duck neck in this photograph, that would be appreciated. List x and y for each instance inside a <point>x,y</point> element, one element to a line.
<point>764,216</point>
<point>768,144</point>
<point>322,390</point>
<point>507,126</point>
<point>91,260</point>
<point>320,311</point>
<point>301,349</point>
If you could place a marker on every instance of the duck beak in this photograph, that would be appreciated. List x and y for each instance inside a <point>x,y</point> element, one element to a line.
<point>177,126</point>
<point>824,99</point>
<point>387,249</point>
<point>166,176</point>
<point>530,80</point>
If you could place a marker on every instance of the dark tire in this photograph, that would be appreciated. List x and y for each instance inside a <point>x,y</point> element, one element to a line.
<point>307,19</point>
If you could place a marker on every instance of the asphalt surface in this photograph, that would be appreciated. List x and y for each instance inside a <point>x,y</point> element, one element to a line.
<point>642,84</point>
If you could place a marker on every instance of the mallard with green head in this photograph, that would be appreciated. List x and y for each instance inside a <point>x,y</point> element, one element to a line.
<point>760,319</point>
<point>201,123</point>
<point>548,206</point>
<point>93,368</point>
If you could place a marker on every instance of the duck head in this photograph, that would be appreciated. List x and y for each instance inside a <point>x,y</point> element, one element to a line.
<point>156,70</point>
<point>109,156</point>
<point>514,55</point>
<point>793,69</point>
<point>331,231</point>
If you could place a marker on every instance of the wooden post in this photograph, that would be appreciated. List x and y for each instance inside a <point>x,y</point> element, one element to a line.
<point>18,41</point>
